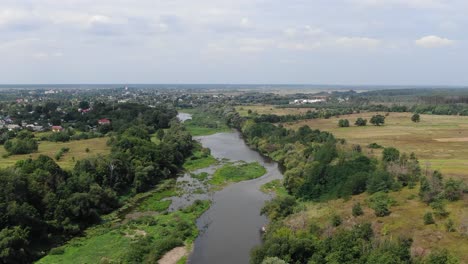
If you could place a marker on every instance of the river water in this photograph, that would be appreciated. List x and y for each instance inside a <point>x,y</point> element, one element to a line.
<point>231,227</point>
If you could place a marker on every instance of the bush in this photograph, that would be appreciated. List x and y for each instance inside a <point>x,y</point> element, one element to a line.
<point>450,226</point>
<point>357,210</point>
<point>21,146</point>
<point>390,154</point>
<point>378,120</point>
<point>428,219</point>
<point>336,220</point>
<point>439,208</point>
<point>416,118</point>
<point>361,122</point>
<point>374,146</point>
<point>343,123</point>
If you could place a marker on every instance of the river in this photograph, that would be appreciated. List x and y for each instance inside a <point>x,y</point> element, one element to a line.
<point>231,227</point>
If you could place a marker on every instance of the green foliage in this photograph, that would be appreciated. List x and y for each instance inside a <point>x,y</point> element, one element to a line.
<point>381,202</point>
<point>377,120</point>
<point>374,146</point>
<point>360,122</point>
<point>415,118</point>
<point>343,123</point>
<point>390,154</point>
<point>279,207</point>
<point>439,208</point>
<point>335,220</point>
<point>60,153</point>
<point>21,146</point>
<point>237,172</point>
<point>450,225</point>
<point>431,189</point>
<point>428,218</point>
<point>357,210</point>
<point>14,244</point>
<point>143,240</point>
<point>453,189</point>
<point>440,257</point>
<point>201,158</point>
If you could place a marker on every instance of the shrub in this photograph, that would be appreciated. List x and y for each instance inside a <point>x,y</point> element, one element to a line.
<point>357,210</point>
<point>428,219</point>
<point>360,122</point>
<point>343,123</point>
<point>450,226</point>
<point>336,220</point>
<point>416,118</point>
<point>21,146</point>
<point>374,146</point>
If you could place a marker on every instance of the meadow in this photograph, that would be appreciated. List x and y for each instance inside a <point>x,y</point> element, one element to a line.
<point>78,151</point>
<point>440,142</point>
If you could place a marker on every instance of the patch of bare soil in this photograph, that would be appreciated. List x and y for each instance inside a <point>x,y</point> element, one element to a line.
<point>462,139</point>
<point>173,256</point>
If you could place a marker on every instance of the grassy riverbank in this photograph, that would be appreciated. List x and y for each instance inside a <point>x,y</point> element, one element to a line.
<point>144,240</point>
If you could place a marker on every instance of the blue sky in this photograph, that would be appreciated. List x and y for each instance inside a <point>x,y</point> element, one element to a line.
<point>406,42</point>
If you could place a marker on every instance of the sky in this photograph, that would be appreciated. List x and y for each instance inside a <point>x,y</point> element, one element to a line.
<point>356,42</point>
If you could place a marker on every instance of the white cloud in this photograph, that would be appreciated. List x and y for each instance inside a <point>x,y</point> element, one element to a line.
<point>433,42</point>
<point>424,4</point>
<point>358,42</point>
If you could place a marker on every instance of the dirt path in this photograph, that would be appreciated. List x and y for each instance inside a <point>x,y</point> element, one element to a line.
<point>173,256</point>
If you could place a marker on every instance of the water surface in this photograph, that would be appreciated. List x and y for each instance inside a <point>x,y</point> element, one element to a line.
<point>230,228</point>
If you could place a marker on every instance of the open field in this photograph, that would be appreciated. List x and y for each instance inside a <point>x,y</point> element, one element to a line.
<point>77,151</point>
<point>440,142</point>
<point>405,220</point>
<point>270,109</point>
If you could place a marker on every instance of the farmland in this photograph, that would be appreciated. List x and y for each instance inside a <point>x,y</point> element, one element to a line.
<point>78,151</point>
<point>440,142</point>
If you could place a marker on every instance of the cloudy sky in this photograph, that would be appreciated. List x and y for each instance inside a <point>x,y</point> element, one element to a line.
<point>413,42</point>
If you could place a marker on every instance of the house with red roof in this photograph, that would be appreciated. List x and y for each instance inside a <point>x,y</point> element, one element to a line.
<point>57,128</point>
<point>104,121</point>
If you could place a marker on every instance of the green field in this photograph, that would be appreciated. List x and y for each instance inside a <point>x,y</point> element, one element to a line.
<point>77,151</point>
<point>236,172</point>
<point>440,142</point>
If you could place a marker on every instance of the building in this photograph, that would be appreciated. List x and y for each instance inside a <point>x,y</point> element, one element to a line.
<point>57,128</point>
<point>104,121</point>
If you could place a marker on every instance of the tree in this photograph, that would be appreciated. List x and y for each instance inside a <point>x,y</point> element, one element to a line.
<point>377,120</point>
<point>390,154</point>
<point>453,189</point>
<point>335,220</point>
<point>360,122</point>
<point>84,105</point>
<point>343,123</point>
<point>416,118</point>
